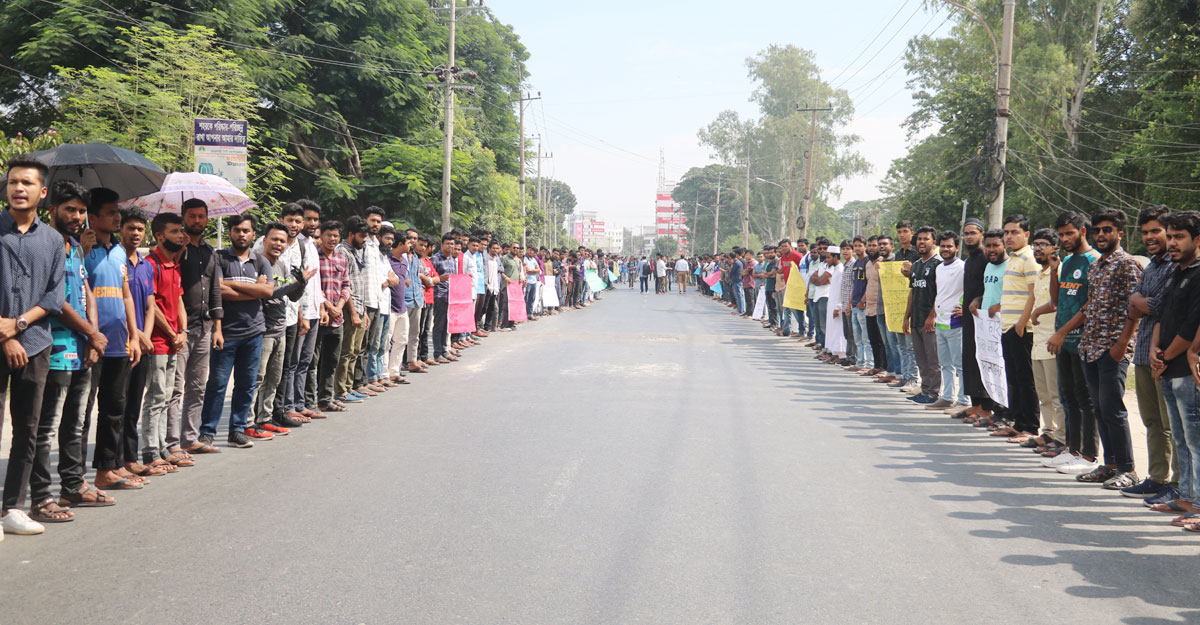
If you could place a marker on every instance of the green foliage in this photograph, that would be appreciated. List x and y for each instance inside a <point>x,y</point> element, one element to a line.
<point>735,240</point>
<point>20,144</point>
<point>667,246</point>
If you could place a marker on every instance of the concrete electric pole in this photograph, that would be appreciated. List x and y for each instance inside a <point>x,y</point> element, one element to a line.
<point>446,75</point>
<point>806,208</point>
<point>1003,85</point>
<point>521,155</point>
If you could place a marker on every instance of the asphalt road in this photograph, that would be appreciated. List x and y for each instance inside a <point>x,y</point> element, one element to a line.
<point>650,459</point>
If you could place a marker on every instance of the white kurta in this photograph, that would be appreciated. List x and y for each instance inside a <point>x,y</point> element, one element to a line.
<point>835,339</point>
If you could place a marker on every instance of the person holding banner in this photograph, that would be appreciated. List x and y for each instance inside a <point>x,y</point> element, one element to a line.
<point>919,316</point>
<point>444,263</point>
<point>533,271</point>
<point>789,260</point>
<point>973,269</point>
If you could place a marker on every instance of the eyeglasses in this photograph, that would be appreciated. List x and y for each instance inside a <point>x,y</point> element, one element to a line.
<point>1042,244</point>
<point>1106,229</point>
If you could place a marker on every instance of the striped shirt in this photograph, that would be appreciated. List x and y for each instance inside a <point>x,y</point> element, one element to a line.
<point>335,283</point>
<point>356,268</point>
<point>1152,286</point>
<point>1021,273</point>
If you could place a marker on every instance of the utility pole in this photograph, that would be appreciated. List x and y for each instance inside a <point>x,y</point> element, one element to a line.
<point>746,206</point>
<point>1003,84</point>
<point>806,209</point>
<point>521,154</point>
<point>543,194</point>
<point>716,215</point>
<point>446,74</point>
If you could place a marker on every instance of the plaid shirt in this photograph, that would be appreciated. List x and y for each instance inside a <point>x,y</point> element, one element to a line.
<point>356,268</point>
<point>1152,286</point>
<point>335,281</point>
<point>1110,283</point>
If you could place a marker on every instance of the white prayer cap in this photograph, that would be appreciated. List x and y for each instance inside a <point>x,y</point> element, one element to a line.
<point>833,249</point>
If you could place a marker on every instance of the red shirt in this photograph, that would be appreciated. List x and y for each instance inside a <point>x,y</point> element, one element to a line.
<point>168,288</point>
<point>795,257</point>
<point>432,274</point>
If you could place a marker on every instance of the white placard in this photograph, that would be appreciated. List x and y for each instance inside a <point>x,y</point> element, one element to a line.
<point>990,356</point>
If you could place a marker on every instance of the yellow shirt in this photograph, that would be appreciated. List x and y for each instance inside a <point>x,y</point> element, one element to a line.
<point>1022,273</point>
<point>1045,327</point>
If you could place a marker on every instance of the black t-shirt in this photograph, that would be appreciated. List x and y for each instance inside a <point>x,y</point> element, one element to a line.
<point>909,254</point>
<point>1180,315</point>
<point>243,319</point>
<point>924,288</point>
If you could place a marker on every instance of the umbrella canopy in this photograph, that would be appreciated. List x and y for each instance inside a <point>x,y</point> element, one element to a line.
<point>223,199</point>
<point>101,165</point>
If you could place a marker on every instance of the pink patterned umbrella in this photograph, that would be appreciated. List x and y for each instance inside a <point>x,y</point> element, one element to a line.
<point>223,199</point>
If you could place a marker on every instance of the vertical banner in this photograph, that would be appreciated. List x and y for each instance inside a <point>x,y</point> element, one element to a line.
<point>760,305</point>
<point>460,313</point>
<point>990,357</point>
<point>796,295</point>
<point>516,302</point>
<point>550,294</point>
<point>894,285</point>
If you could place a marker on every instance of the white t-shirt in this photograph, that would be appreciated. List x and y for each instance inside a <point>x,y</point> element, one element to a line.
<point>817,292</point>
<point>660,268</point>
<point>681,265</point>
<point>949,291</point>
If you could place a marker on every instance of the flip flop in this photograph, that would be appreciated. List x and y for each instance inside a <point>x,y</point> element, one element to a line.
<point>124,484</point>
<point>1183,520</point>
<point>1169,507</point>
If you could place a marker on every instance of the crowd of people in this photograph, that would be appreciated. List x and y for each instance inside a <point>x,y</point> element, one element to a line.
<point>309,316</point>
<point>1071,317</point>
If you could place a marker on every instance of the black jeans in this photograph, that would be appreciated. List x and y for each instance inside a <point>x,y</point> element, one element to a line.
<point>135,390</point>
<point>749,295</point>
<point>283,402</point>
<point>63,402</point>
<point>440,308</point>
<point>772,313</point>
<point>24,387</point>
<point>1106,382</point>
<point>1018,371</point>
<point>878,349</point>
<point>426,329</point>
<point>1082,435</point>
<point>329,349</point>
<point>110,411</point>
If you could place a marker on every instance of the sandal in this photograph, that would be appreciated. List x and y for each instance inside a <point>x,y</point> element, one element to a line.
<point>201,448</point>
<point>1186,519</point>
<point>1169,507</point>
<point>332,408</point>
<point>86,497</point>
<point>1004,430</point>
<point>50,512</point>
<point>152,470</point>
<point>125,484</point>
<point>165,465</point>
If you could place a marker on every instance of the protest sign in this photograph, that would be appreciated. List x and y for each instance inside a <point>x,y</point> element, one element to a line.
<point>550,294</point>
<point>797,292</point>
<point>594,281</point>
<point>990,356</point>
<point>894,285</point>
<point>516,302</point>
<point>714,278</point>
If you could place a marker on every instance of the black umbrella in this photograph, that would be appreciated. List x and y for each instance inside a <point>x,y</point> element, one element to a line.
<point>101,165</point>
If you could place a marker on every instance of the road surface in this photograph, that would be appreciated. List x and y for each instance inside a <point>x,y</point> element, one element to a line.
<point>650,459</point>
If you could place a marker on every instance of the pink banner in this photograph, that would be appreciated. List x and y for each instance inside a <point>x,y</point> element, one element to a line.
<point>516,302</point>
<point>461,289</point>
<point>713,279</point>
<point>460,318</point>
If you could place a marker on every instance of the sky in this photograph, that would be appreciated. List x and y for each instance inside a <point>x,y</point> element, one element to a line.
<point>621,80</point>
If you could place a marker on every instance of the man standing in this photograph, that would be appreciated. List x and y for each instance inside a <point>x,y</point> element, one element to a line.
<point>375,280</point>
<point>973,270</point>
<point>1045,370</point>
<point>873,293</point>
<point>288,282</point>
<point>856,308</point>
<point>243,288</point>
<point>401,299</point>
<point>300,390</point>
<point>445,265</point>
<point>533,272</point>
<point>141,287</point>
<point>1069,287</point>
<point>1144,312</point>
<point>108,277</point>
<point>168,333</point>
<point>919,318</point>
<point>681,273</point>
<point>1016,309</point>
<point>335,292</point>
<point>76,346</point>
<point>201,276</point>
<point>1111,282</point>
<point>660,274</point>
<point>31,270</point>
<point>353,250</point>
<point>947,323</point>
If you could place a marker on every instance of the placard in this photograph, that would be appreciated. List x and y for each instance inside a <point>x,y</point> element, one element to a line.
<point>990,356</point>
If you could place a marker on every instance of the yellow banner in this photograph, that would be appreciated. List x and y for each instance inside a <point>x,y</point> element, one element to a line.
<point>797,292</point>
<point>895,293</point>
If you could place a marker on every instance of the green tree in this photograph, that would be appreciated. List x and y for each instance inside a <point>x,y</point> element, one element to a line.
<point>667,246</point>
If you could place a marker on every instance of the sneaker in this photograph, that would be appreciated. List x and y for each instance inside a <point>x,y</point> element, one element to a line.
<point>925,400</point>
<point>256,432</point>
<point>898,384</point>
<point>1059,460</point>
<point>1167,494</point>
<point>17,522</point>
<point>206,439</point>
<point>239,440</point>
<point>939,404</point>
<point>350,398</point>
<point>912,389</point>
<point>915,396</point>
<point>1121,481</point>
<point>1147,488</point>
<point>1078,465</point>
<point>275,429</point>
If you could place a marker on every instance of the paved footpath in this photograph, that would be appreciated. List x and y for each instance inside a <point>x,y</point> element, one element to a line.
<point>650,459</point>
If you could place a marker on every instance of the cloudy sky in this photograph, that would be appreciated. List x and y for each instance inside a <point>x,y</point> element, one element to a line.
<point>621,80</point>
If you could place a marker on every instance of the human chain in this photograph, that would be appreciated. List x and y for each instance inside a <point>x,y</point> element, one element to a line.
<point>309,316</point>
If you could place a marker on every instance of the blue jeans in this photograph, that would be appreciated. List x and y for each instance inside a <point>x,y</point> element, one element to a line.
<point>891,346</point>
<point>379,347</point>
<point>816,312</point>
<point>949,347</point>
<point>1106,384</point>
<point>239,357</point>
<point>530,297</point>
<point>812,320</point>
<point>908,357</point>
<point>739,295</point>
<point>787,314</point>
<point>864,357</point>
<point>1183,406</point>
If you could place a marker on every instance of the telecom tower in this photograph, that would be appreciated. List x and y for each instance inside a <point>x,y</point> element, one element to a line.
<point>668,219</point>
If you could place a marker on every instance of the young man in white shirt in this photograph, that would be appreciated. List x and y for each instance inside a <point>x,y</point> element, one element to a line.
<point>947,323</point>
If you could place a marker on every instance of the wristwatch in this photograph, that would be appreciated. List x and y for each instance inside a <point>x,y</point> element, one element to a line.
<point>22,324</point>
